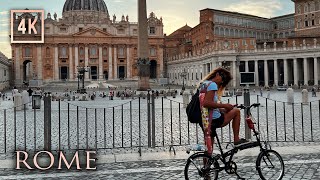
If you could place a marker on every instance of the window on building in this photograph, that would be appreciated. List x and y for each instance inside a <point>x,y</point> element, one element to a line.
<point>244,42</point>
<point>306,8</point>
<point>81,51</point>
<point>63,29</point>
<point>104,29</point>
<point>47,30</point>
<point>81,61</point>
<point>135,31</point>
<point>306,23</point>
<point>122,60</point>
<point>121,51</point>
<point>93,51</point>
<point>105,61</point>
<point>80,29</point>
<point>5,73</point>
<point>120,31</point>
<point>152,30</point>
<point>152,51</point>
<point>27,52</point>
<point>312,22</point>
<point>63,51</point>
<point>105,52</point>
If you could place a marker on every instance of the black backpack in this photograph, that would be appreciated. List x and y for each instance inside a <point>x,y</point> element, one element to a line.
<point>193,109</point>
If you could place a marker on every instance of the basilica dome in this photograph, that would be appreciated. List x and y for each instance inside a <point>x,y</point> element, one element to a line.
<point>89,5</point>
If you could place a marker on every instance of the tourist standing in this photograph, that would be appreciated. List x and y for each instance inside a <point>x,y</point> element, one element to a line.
<point>30,94</point>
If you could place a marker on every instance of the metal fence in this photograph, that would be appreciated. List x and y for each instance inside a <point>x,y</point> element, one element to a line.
<point>142,122</point>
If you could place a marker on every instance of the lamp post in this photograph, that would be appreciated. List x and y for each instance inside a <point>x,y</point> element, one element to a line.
<point>81,73</point>
<point>183,75</point>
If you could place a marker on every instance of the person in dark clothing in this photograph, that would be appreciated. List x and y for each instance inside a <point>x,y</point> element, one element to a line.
<point>30,94</point>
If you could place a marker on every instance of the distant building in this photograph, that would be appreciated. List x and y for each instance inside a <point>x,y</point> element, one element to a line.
<point>5,65</point>
<point>283,50</point>
<point>87,35</point>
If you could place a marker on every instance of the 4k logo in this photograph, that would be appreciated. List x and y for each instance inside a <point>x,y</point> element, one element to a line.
<point>27,26</point>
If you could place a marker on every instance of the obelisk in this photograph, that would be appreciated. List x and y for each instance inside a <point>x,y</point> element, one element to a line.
<point>143,47</point>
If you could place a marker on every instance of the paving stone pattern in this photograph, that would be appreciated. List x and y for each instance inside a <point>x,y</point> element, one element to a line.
<point>298,166</point>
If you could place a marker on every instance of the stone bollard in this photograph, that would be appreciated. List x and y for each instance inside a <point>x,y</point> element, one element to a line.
<point>290,96</point>
<point>25,99</point>
<point>185,99</point>
<point>18,101</point>
<point>305,96</point>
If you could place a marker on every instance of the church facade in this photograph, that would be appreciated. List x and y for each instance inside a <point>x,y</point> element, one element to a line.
<point>86,36</point>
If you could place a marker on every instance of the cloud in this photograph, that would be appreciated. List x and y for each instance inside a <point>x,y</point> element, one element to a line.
<point>4,12</point>
<point>266,8</point>
<point>6,49</point>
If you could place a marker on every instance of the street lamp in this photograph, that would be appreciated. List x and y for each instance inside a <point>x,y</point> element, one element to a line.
<point>183,75</point>
<point>81,73</point>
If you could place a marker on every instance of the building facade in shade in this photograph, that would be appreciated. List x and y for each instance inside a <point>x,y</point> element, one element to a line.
<point>278,51</point>
<point>5,67</point>
<point>87,36</point>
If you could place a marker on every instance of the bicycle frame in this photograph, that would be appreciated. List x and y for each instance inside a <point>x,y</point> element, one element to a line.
<point>223,155</point>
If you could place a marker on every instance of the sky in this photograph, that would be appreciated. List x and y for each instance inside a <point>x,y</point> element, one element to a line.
<point>175,13</point>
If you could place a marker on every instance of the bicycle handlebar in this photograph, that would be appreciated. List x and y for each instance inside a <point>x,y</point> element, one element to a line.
<point>241,106</point>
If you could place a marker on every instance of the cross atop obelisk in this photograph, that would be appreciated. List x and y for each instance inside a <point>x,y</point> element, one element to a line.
<point>143,48</point>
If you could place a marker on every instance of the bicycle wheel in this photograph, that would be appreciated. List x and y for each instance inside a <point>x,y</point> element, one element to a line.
<point>201,166</point>
<point>270,165</point>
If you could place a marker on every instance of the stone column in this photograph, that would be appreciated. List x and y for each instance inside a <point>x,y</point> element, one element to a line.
<point>305,71</point>
<point>285,71</point>
<point>246,66</point>
<point>18,79</point>
<point>256,71</point>
<point>110,76</point>
<point>100,64</point>
<point>86,61</point>
<point>295,70</point>
<point>76,58</point>
<point>128,62</point>
<point>56,63</point>
<point>115,64</point>
<point>234,73</point>
<point>275,66</point>
<point>266,73</point>
<point>315,65</point>
<point>70,63</point>
<point>39,62</point>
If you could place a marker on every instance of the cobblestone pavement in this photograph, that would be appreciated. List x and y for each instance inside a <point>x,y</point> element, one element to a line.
<point>298,166</point>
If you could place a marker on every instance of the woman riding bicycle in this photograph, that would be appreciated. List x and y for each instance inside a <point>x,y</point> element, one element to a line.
<point>216,114</point>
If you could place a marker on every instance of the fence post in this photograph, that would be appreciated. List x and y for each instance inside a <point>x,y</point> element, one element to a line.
<point>149,118</point>
<point>153,116</point>
<point>47,121</point>
<point>246,100</point>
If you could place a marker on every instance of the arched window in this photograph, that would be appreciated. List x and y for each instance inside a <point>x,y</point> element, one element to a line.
<point>299,9</point>
<point>81,51</point>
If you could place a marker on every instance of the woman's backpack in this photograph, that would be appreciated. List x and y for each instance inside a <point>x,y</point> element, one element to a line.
<point>193,109</point>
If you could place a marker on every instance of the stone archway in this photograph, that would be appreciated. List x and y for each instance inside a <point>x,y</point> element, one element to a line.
<point>27,66</point>
<point>153,69</point>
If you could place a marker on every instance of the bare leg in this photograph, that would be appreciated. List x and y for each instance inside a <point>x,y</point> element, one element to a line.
<point>233,115</point>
